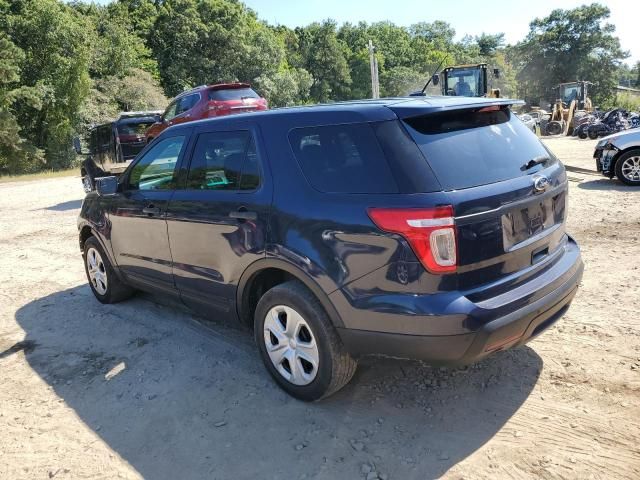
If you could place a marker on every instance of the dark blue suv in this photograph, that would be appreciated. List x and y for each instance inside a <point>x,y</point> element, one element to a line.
<point>428,228</point>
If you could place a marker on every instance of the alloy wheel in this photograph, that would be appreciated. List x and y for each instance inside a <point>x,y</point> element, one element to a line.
<point>631,169</point>
<point>97,271</point>
<point>291,345</point>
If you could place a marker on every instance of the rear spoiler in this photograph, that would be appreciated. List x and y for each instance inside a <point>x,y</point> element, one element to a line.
<point>417,106</point>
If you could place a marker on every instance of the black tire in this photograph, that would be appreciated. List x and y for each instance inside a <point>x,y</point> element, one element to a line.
<point>593,133</point>
<point>582,132</point>
<point>116,290</point>
<point>335,366</point>
<point>620,163</point>
<point>554,128</point>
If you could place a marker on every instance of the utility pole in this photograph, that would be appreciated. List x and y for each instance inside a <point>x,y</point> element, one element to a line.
<point>373,63</point>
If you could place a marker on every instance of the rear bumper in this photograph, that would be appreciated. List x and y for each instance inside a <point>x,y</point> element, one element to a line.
<point>503,331</point>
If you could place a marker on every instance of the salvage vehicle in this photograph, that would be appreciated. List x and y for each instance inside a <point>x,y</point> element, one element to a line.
<point>208,101</point>
<point>113,145</point>
<point>619,155</point>
<point>449,247</point>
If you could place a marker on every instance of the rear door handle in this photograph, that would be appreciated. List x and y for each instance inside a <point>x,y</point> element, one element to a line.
<point>151,210</point>
<point>244,215</point>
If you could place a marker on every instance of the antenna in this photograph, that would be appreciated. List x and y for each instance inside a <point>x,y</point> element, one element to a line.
<point>433,74</point>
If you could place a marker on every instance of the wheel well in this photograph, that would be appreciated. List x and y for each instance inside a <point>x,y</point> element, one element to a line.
<point>85,233</point>
<point>617,156</point>
<point>256,287</point>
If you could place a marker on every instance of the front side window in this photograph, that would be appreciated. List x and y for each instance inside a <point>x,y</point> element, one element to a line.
<point>155,169</point>
<point>224,161</point>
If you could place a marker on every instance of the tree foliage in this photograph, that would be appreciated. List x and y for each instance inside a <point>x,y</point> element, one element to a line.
<point>65,66</point>
<point>569,45</point>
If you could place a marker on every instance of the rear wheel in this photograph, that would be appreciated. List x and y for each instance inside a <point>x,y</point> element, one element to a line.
<point>593,133</point>
<point>554,128</point>
<point>104,283</point>
<point>628,167</point>
<point>298,344</point>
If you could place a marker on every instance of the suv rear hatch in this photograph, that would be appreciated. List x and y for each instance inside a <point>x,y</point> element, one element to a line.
<point>507,190</point>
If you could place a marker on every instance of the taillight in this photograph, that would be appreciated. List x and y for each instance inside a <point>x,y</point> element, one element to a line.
<point>431,232</point>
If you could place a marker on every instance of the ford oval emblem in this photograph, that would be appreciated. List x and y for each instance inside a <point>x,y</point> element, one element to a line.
<point>540,184</point>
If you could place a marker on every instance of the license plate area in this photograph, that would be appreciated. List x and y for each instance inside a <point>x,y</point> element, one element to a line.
<point>520,224</point>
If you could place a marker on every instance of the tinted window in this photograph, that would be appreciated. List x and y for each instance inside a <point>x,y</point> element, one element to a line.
<point>133,128</point>
<point>467,148</point>
<point>218,160</point>
<point>187,103</point>
<point>170,112</point>
<point>155,169</point>
<point>342,159</point>
<point>232,94</point>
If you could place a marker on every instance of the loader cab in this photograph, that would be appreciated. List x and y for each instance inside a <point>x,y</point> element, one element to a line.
<point>468,81</point>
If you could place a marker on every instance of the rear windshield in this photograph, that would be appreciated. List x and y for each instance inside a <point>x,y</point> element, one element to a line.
<point>133,128</point>
<point>468,148</point>
<point>232,94</point>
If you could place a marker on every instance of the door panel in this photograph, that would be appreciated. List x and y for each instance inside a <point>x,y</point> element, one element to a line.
<point>217,225</point>
<point>138,224</point>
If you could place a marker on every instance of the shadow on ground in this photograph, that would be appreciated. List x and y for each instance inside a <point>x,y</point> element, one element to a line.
<point>65,206</point>
<point>613,185</point>
<point>179,397</point>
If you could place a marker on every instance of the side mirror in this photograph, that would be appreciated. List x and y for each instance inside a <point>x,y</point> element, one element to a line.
<point>106,186</point>
<point>435,79</point>
<point>496,72</point>
<point>77,146</point>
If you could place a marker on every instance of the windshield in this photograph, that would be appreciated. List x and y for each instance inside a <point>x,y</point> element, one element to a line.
<point>464,82</point>
<point>467,148</point>
<point>568,93</point>
<point>133,128</point>
<point>232,94</point>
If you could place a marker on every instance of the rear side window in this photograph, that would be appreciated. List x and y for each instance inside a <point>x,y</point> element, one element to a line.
<point>468,148</point>
<point>224,161</point>
<point>232,94</point>
<point>342,159</point>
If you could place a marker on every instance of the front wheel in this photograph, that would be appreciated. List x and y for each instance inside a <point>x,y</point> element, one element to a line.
<point>104,283</point>
<point>298,344</point>
<point>628,168</point>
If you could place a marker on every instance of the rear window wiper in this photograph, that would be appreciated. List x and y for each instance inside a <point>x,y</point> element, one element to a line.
<point>541,160</point>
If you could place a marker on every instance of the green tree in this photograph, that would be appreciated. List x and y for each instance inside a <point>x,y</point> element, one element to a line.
<point>569,45</point>
<point>55,40</point>
<point>323,55</point>
<point>488,44</point>
<point>16,154</point>
<point>285,88</point>
<point>206,41</point>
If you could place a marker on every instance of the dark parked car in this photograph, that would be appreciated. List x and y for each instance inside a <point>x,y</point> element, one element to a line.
<point>429,228</point>
<point>113,145</point>
<point>619,155</point>
<point>208,101</point>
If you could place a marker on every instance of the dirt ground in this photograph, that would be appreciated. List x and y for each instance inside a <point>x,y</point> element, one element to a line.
<point>142,389</point>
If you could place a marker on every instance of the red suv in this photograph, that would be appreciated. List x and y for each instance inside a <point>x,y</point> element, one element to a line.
<point>208,101</point>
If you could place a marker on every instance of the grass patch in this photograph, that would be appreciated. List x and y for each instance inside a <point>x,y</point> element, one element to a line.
<point>40,175</point>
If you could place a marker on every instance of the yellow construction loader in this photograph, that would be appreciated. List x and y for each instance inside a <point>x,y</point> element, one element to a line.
<point>572,103</point>
<point>469,81</point>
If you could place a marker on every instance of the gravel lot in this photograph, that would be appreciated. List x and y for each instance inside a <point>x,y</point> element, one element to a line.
<point>142,389</point>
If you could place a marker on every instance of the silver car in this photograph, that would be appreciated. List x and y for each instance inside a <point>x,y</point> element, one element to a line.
<point>619,155</point>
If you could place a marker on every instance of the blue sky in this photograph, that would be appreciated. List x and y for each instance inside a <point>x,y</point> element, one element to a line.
<point>466,16</point>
